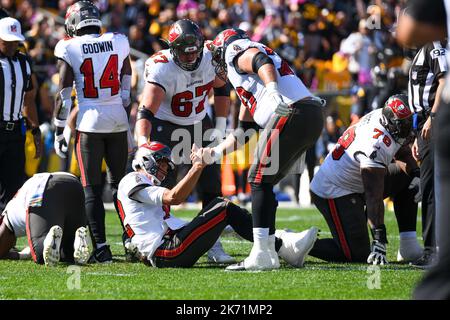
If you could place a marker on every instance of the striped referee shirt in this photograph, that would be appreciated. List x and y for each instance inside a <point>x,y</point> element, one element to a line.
<point>428,66</point>
<point>15,79</point>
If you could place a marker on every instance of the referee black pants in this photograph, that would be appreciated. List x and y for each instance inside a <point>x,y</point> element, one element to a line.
<point>280,145</point>
<point>12,164</point>
<point>436,284</point>
<point>426,152</point>
<point>62,205</point>
<point>347,219</point>
<point>182,248</point>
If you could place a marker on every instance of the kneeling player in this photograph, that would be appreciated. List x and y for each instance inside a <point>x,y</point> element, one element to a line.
<point>166,241</point>
<point>49,210</point>
<point>356,176</point>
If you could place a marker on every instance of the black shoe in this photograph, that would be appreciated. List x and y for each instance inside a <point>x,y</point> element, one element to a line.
<point>426,261</point>
<point>101,255</point>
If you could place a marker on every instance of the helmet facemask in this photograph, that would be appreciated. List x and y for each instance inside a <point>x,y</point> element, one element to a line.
<point>185,38</point>
<point>397,118</point>
<point>218,62</point>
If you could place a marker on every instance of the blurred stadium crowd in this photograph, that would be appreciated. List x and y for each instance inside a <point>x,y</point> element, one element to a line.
<point>344,50</point>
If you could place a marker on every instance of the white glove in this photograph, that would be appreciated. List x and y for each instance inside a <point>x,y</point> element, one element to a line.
<point>219,130</point>
<point>61,143</point>
<point>378,254</point>
<point>282,108</point>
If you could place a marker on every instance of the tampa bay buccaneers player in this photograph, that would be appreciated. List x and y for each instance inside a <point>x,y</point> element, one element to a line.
<point>172,110</point>
<point>99,66</point>
<point>357,175</point>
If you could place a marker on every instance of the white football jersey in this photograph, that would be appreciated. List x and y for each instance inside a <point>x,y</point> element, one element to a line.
<point>250,88</point>
<point>366,144</point>
<point>29,195</point>
<point>96,61</point>
<point>143,213</point>
<point>186,91</point>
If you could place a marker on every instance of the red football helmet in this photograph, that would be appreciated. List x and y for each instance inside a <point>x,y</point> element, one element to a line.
<point>148,157</point>
<point>397,117</point>
<point>220,44</point>
<point>185,37</point>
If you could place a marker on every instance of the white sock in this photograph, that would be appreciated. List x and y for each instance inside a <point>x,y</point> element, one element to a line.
<point>99,245</point>
<point>261,238</point>
<point>408,235</point>
<point>272,242</point>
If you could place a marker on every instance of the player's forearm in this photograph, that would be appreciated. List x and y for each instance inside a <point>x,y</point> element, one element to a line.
<point>30,112</point>
<point>437,100</point>
<point>222,106</point>
<point>375,211</point>
<point>267,73</point>
<point>183,189</point>
<point>142,131</point>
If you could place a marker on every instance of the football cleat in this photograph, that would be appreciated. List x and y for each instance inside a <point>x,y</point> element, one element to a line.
<point>131,251</point>
<point>52,244</point>
<point>101,255</point>
<point>217,255</point>
<point>81,248</point>
<point>258,260</point>
<point>296,246</point>
<point>25,254</point>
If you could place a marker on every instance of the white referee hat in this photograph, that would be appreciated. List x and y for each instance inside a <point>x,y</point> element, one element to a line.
<point>10,30</point>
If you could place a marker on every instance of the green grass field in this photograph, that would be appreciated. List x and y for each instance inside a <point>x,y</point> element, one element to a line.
<point>123,280</point>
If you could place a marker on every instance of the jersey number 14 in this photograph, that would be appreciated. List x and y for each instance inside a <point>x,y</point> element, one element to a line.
<point>109,78</point>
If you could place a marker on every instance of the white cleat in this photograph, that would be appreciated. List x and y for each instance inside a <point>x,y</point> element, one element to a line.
<point>52,244</point>
<point>409,251</point>
<point>81,252</point>
<point>25,254</point>
<point>217,255</point>
<point>256,261</point>
<point>296,246</point>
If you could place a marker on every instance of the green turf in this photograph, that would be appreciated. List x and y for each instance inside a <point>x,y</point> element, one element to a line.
<point>122,280</point>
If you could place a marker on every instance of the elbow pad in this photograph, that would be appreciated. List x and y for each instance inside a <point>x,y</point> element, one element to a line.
<point>144,113</point>
<point>259,60</point>
<point>66,104</point>
<point>223,91</point>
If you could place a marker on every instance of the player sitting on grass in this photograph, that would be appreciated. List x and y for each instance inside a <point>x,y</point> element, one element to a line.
<point>166,241</point>
<point>49,211</point>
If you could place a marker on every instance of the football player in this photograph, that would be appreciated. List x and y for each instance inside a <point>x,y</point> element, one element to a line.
<point>99,65</point>
<point>357,175</point>
<point>164,240</point>
<point>275,99</point>
<point>49,210</point>
<point>173,106</point>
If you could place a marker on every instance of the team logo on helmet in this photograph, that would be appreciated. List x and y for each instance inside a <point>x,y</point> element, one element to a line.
<point>399,108</point>
<point>174,32</point>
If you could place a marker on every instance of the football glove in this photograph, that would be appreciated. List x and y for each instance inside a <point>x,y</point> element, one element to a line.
<point>282,108</point>
<point>378,254</point>
<point>61,143</point>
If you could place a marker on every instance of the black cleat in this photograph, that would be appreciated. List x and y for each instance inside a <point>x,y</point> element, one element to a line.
<point>101,255</point>
<point>426,261</point>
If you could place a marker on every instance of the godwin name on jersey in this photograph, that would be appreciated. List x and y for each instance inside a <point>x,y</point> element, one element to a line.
<point>186,91</point>
<point>96,61</point>
<point>366,144</point>
<point>144,216</point>
<point>251,89</point>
